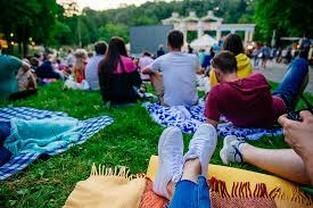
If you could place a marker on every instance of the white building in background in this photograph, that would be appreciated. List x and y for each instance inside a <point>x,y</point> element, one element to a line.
<point>208,23</point>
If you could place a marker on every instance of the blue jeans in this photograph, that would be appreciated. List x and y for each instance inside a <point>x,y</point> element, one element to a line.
<point>191,195</point>
<point>5,130</point>
<point>293,83</point>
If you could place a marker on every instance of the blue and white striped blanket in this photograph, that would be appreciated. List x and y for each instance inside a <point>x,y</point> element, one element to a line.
<point>188,120</point>
<point>25,152</point>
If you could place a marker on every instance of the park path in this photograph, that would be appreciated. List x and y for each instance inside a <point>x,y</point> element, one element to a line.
<point>275,72</point>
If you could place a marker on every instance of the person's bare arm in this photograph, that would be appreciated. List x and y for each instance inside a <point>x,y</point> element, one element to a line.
<point>299,135</point>
<point>210,121</point>
<point>200,71</point>
<point>147,70</point>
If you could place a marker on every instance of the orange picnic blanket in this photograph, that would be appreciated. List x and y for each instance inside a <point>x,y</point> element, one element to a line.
<point>229,187</point>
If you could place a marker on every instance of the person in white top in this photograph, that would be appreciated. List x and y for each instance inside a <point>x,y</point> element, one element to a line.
<point>145,61</point>
<point>91,71</point>
<point>173,75</point>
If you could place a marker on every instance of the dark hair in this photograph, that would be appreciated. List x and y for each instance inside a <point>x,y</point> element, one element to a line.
<point>116,49</point>
<point>175,39</point>
<point>101,47</point>
<point>146,53</point>
<point>225,61</point>
<point>233,44</point>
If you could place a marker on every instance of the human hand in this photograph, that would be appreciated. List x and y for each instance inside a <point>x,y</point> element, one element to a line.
<point>299,135</point>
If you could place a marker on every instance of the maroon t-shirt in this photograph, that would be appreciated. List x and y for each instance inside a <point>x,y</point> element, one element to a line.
<point>245,102</point>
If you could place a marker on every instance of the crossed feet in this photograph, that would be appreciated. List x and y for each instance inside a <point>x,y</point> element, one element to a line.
<point>174,166</point>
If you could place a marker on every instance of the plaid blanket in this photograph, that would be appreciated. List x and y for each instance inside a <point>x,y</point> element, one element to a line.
<point>188,120</point>
<point>21,160</point>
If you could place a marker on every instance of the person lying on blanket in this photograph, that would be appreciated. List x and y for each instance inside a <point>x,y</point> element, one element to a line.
<point>294,164</point>
<point>248,102</point>
<point>16,78</point>
<point>173,75</point>
<point>182,179</point>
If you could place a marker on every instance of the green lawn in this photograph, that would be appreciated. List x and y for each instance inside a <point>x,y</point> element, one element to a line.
<point>129,141</point>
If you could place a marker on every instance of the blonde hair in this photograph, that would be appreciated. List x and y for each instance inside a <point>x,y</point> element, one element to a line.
<point>80,56</point>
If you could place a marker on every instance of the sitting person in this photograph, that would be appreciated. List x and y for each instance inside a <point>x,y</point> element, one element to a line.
<point>174,75</point>
<point>16,78</point>
<point>233,44</point>
<point>248,102</point>
<point>79,65</point>
<point>92,65</point>
<point>143,62</point>
<point>46,70</point>
<point>26,79</point>
<point>118,77</point>
<point>182,179</point>
<point>294,164</point>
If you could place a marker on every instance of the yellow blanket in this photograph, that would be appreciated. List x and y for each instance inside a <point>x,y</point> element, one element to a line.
<point>229,187</point>
<point>107,188</point>
<point>230,183</point>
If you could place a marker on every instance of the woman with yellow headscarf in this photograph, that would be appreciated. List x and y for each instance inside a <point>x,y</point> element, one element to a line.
<point>233,44</point>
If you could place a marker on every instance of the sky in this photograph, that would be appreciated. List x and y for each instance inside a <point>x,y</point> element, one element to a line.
<point>108,4</point>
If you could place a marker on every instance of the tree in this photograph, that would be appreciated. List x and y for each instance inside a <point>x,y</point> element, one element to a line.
<point>287,17</point>
<point>28,20</point>
<point>109,30</point>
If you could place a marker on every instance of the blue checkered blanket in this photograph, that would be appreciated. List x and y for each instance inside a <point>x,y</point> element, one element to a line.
<point>188,120</point>
<point>21,159</point>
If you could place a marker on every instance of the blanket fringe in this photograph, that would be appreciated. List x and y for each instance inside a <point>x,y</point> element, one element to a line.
<point>117,171</point>
<point>244,190</point>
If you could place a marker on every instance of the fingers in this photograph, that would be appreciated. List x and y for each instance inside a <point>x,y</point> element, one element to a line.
<point>282,119</point>
<point>306,116</point>
<point>285,122</point>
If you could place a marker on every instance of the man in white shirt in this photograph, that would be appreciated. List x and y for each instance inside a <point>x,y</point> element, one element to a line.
<point>92,66</point>
<point>174,75</point>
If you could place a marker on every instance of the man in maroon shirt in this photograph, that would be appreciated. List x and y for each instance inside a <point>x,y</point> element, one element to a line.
<point>248,102</point>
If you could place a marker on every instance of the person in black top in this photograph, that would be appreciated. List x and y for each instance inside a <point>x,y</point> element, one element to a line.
<point>161,51</point>
<point>118,76</point>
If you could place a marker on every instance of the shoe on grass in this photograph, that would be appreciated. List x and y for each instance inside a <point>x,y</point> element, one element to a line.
<point>231,151</point>
<point>202,146</point>
<point>170,150</point>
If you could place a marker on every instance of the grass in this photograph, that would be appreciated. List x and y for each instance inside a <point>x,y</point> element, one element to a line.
<point>129,141</point>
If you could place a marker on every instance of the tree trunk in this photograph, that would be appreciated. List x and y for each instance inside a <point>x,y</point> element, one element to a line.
<point>20,48</point>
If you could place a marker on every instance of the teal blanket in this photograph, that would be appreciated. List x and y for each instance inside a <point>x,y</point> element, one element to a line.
<point>42,135</point>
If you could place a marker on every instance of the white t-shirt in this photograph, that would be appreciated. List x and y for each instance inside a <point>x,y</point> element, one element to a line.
<point>143,62</point>
<point>91,72</point>
<point>179,77</point>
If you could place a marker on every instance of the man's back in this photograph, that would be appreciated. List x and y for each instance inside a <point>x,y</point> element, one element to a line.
<point>246,102</point>
<point>179,78</point>
<point>92,72</point>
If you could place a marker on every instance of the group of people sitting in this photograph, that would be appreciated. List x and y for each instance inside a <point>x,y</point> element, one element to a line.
<point>243,97</point>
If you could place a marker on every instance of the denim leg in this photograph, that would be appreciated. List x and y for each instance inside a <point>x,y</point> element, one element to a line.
<point>185,195</point>
<point>203,193</point>
<point>293,83</point>
<point>5,130</point>
<point>191,195</point>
